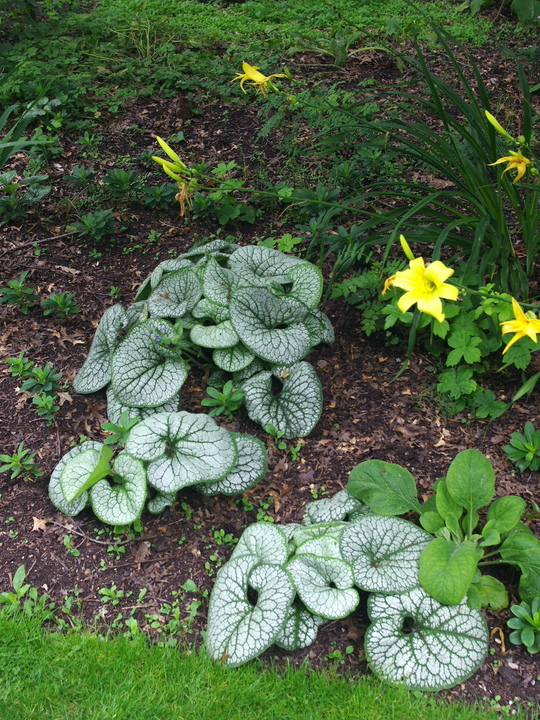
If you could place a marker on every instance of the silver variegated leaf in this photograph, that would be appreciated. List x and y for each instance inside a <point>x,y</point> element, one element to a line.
<point>261,266</point>
<point>222,335</point>
<point>416,641</point>
<point>164,268</point>
<point>325,585</point>
<point>96,371</point>
<point>339,507</point>
<point>300,629</point>
<point>122,501</point>
<point>237,630</point>
<point>115,408</point>
<point>265,542</point>
<point>384,553</point>
<point>233,359</point>
<point>271,327</point>
<point>176,294</point>
<point>182,449</point>
<point>297,408</point>
<point>250,468</point>
<point>55,491</point>
<point>308,532</point>
<point>249,371</point>
<point>323,546</point>
<point>307,284</point>
<point>207,309</point>
<point>219,283</point>
<point>160,501</point>
<point>76,472</point>
<point>217,248</point>
<point>319,328</point>
<point>140,375</point>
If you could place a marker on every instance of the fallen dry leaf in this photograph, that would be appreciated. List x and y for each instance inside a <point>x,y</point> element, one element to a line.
<point>40,524</point>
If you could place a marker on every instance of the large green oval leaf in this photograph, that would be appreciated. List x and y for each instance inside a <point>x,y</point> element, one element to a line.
<point>55,491</point>
<point>271,327</point>
<point>237,630</point>
<point>141,376</point>
<point>325,585</point>
<point>384,553</point>
<point>176,294</point>
<point>387,488</point>
<point>96,371</point>
<point>470,480</point>
<point>297,408</point>
<point>447,569</point>
<point>249,469</point>
<point>261,266</point>
<point>121,502</point>
<point>183,449</point>
<point>416,641</point>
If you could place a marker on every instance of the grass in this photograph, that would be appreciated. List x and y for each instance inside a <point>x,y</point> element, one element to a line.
<point>81,676</point>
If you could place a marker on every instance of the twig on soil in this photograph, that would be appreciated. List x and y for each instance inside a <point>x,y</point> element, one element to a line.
<point>100,542</point>
<point>139,562</point>
<point>32,242</point>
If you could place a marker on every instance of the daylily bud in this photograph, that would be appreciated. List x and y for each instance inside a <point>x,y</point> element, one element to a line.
<point>405,247</point>
<point>287,74</point>
<point>498,127</point>
<point>521,139</point>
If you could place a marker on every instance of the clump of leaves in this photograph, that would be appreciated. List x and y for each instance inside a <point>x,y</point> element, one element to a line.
<point>45,406</point>
<point>524,449</point>
<point>22,462</point>
<point>60,304</point>
<point>226,402</point>
<point>20,366</point>
<point>42,380</point>
<point>17,294</point>
<point>95,225</point>
<point>526,625</point>
<point>449,565</point>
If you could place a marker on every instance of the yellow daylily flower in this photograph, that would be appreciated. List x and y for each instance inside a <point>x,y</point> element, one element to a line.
<point>524,325</point>
<point>251,74</point>
<point>424,286</point>
<point>514,160</point>
<point>497,125</point>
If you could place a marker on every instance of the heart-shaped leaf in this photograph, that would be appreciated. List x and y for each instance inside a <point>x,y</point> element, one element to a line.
<point>387,488</point>
<point>83,471</point>
<point>96,371</point>
<point>265,542</point>
<point>324,546</point>
<point>238,630</point>
<point>115,408</point>
<point>470,480</point>
<point>55,491</point>
<point>220,283</point>
<point>250,468</point>
<point>307,284</point>
<point>384,553</point>
<point>416,641</point>
<point>341,506</point>
<point>325,585</point>
<point>300,629</point>
<point>176,294</point>
<point>319,328</point>
<point>207,309</point>
<point>182,449</point>
<point>121,502</point>
<point>261,266</point>
<point>141,376</point>
<point>447,569</point>
<point>234,358</point>
<point>309,532</point>
<point>297,408</point>
<point>160,501</point>
<point>222,335</point>
<point>270,327</point>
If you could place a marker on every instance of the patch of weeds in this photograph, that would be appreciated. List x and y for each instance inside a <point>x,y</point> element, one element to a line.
<point>62,305</point>
<point>21,463</point>
<point>16,293</point>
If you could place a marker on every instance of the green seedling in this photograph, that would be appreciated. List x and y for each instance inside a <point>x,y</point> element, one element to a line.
<point>17,294</point>
<point>20,463</point>
<point>112,595</point>
<point>277,435</point>
<point>45,406</point>
<point>62,305</point>
<point>20,366</point>
<point>42,380</point>
<point>120,431</point>
<point>226,402</point>
<point>95,225</point>
<point>526,625</point>
<point>524,449</point>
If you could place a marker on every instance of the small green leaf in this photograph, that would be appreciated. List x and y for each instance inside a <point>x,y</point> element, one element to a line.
<point>505,513</point>
<point>387,488</point>
<point>431,521</point>
<point>492,592</point>
<point>470,480</point>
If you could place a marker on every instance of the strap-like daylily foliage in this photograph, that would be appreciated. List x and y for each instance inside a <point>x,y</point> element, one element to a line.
<point>245,309</point>
<point>414,639</point>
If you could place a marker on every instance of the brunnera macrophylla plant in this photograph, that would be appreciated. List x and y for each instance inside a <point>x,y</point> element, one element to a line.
<point>450,565</point>
<point>306,575</point>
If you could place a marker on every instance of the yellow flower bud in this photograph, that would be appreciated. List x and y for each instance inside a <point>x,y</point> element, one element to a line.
<point>405,247</point>
<point>498,127</point>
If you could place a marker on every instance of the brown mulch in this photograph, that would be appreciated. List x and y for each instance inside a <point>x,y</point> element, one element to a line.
<point>368,413</point>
